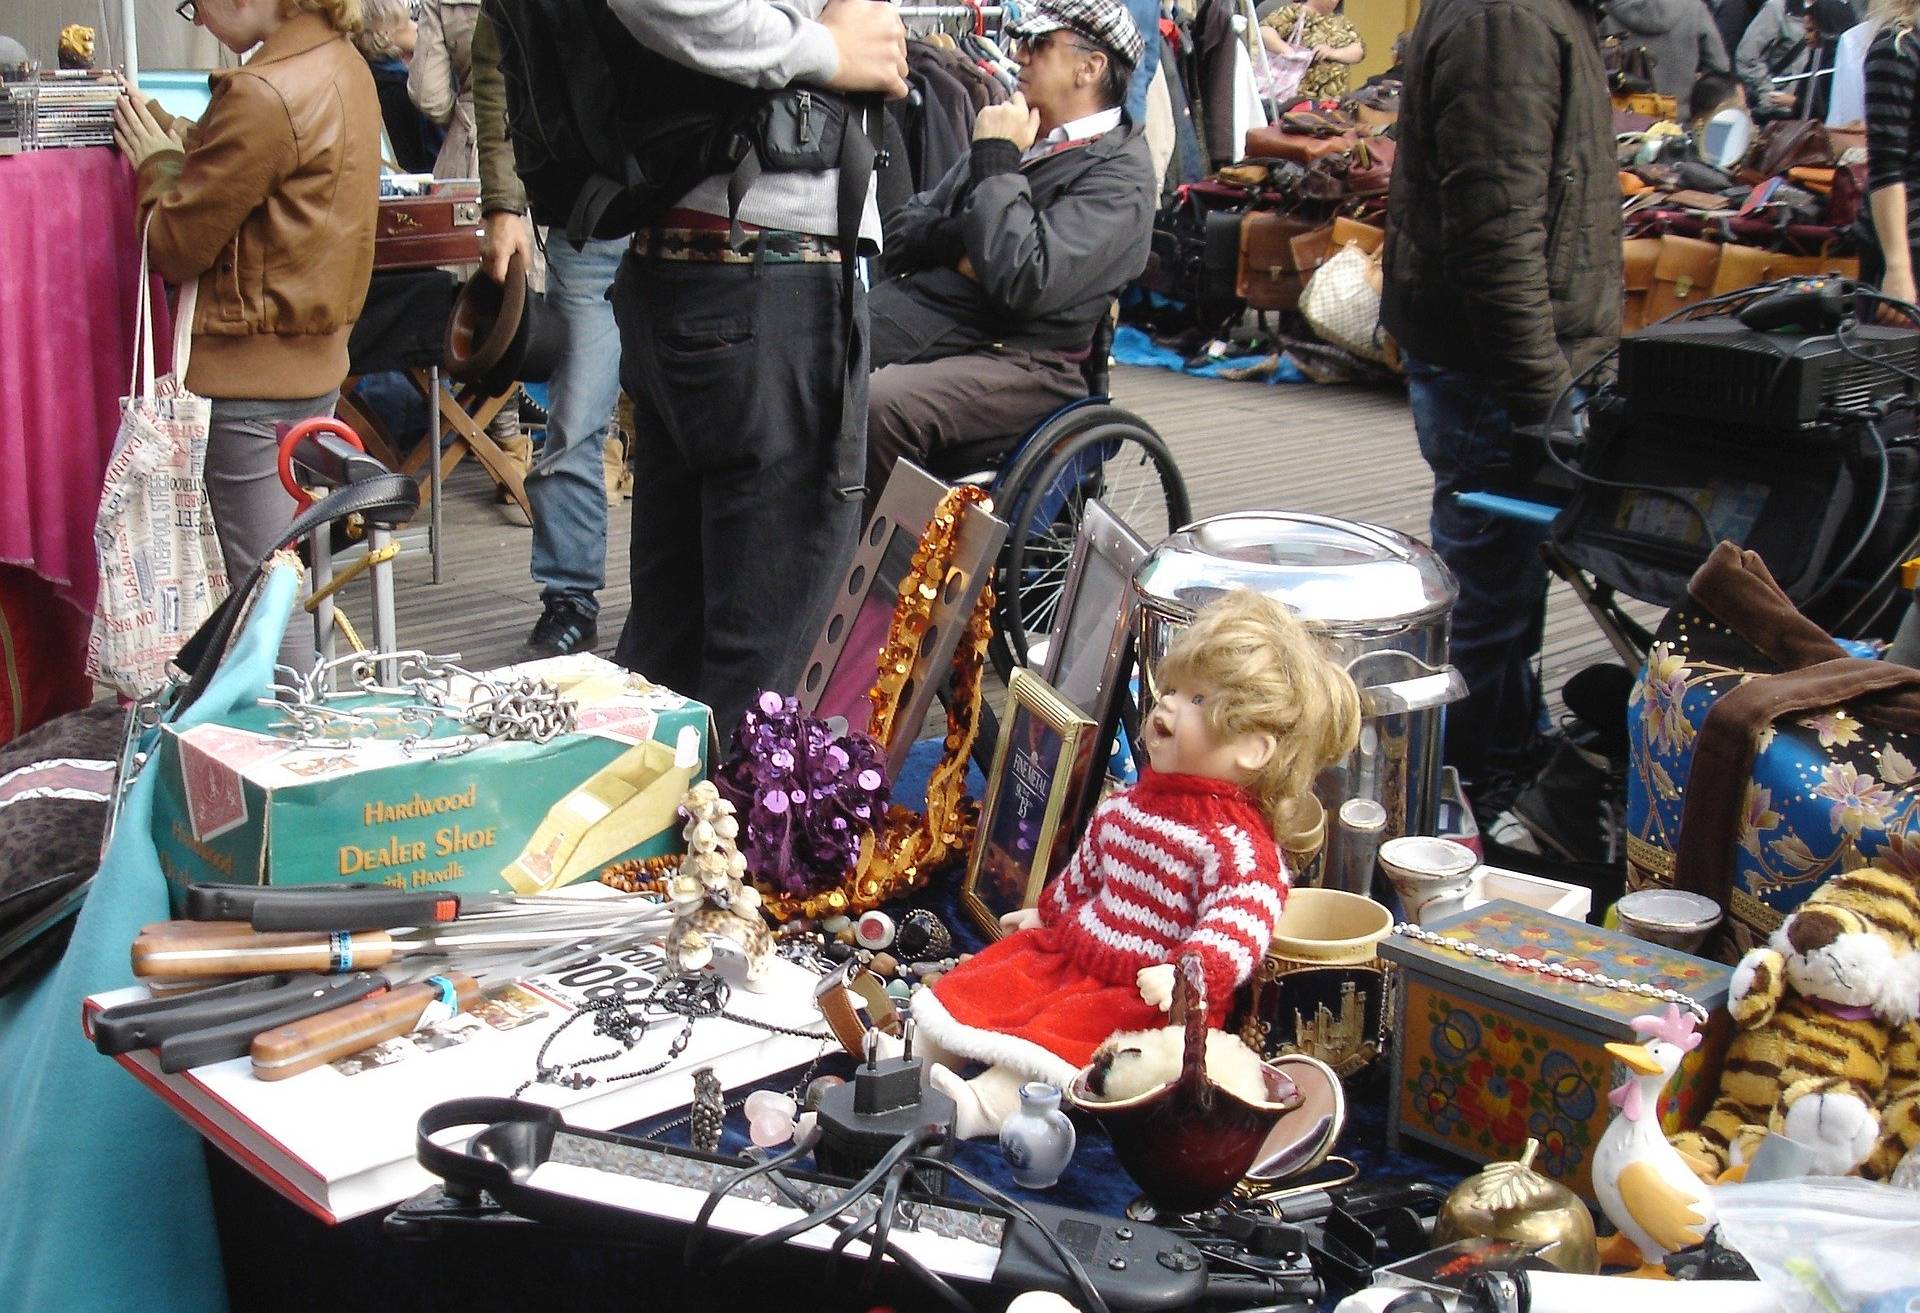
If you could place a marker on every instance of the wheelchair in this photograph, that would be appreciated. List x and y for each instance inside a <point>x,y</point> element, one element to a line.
<point>1041,482</point>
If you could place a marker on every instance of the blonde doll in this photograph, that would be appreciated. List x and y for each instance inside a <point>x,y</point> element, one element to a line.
<point>1250,708</point>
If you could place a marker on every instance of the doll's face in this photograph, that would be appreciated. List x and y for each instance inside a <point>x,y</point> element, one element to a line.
<point>1180,741</point>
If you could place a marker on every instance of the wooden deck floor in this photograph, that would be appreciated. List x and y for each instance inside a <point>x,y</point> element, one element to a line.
<point>1340,451</point>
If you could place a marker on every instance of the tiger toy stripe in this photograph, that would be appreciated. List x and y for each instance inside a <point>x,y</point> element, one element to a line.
<point>1825,1015</point>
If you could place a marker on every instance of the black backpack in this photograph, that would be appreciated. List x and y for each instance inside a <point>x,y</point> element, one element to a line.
<point>607,134</point>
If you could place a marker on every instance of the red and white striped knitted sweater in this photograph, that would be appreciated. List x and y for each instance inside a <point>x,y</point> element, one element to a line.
<point>1177,863</point>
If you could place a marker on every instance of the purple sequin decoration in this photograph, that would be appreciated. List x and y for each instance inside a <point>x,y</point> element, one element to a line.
<point>805,798</point>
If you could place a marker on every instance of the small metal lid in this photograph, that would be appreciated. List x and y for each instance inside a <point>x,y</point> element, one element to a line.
<point>1340,573</point>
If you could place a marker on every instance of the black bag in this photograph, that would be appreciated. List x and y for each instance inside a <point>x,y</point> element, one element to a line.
<point>607,134</point>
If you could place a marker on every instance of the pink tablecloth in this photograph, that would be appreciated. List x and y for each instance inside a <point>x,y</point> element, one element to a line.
<point>69,273</point>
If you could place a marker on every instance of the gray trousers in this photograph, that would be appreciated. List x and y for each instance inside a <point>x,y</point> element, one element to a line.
<point>916,409</point>
<point>251,511</point>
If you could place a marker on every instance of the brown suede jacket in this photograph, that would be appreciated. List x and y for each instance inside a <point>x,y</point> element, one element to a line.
<point>272,207</point>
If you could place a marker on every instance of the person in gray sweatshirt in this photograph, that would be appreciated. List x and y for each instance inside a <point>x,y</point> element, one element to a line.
<point>747,466</point>
<point>1678,34</point>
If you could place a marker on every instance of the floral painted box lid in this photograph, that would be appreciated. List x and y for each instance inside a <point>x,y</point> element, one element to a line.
<point>1537,936</point>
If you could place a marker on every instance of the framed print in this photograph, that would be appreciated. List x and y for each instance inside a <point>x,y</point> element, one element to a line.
<point>1045,753</point>
<point>843,664</point>
<point>1088,657</point>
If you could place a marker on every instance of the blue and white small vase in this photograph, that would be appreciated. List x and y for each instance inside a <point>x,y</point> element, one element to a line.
<point>1037,1141</point>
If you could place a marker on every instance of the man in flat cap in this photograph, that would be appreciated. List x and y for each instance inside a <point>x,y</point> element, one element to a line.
<point>997,278</point>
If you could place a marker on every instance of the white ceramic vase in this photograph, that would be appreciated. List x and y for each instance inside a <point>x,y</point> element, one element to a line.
<point>1038,1140</point>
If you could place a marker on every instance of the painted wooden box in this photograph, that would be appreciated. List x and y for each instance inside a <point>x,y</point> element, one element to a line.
<point>1487,1056</point>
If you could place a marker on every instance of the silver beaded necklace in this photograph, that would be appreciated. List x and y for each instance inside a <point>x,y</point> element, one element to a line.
<point>1557,970</point>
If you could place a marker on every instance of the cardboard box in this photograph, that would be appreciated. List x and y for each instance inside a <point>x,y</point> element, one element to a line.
<point>243,802</point>
<point>1487,1056</point>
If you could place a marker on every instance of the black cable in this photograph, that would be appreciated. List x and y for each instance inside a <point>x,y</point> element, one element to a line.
<point>1090,1299</point>
<point>1873,519</point>
<point>802,1146</point>
<point>1901,370</point>
<point>912,1266</point>
<point>905,1147</point>
<point>882,1225</point>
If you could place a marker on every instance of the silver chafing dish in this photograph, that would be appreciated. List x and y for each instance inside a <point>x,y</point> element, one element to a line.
<point>1381,598</point>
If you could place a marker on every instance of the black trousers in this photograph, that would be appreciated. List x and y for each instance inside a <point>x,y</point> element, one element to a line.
<point>746,482</point>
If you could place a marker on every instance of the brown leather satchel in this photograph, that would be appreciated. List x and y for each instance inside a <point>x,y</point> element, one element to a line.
<point>1300,147</point>
<point>1682,273</point>
<point>1787,144</point>
<point>1745,266</point>
<point>425,232</point>
<point>1639,255</point>
<point>1352,232</point>
<point>1372,170</point>
<point>1269,275</point>
<point>1311,249</point>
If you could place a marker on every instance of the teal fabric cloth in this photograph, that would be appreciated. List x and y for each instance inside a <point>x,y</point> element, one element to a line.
<point>104,1203</point>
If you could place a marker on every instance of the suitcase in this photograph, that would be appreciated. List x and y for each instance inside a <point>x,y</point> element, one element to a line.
<point>426,232</point>
<point>1269,277</point>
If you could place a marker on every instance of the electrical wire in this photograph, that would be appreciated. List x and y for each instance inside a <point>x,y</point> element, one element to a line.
<point>905,1147</point>
<point>1873,520</point>
<point>1090,1299</point>
<point>802,1146</point>
<point>912,1266</point>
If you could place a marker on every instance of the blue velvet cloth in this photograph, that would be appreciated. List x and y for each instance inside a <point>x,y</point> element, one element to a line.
<point>103,1191</point>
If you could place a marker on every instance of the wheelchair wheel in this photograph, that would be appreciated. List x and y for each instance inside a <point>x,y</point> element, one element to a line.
<point>1100,451</point>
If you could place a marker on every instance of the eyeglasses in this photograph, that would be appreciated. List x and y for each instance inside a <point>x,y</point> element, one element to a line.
<point>1029,47</point>
<point>187,9</point>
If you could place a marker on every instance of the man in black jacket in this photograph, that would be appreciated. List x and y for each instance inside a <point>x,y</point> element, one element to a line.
<point>998,277</point>
<point>1502,288</point>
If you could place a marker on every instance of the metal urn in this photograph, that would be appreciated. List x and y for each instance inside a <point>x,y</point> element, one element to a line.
<point>1382,599</point>
<point>1511,1201</point>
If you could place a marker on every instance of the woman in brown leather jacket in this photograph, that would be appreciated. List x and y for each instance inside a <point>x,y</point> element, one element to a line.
<point>268,206</point>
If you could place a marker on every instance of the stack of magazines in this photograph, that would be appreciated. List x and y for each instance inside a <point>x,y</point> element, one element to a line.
<point>13,109</point>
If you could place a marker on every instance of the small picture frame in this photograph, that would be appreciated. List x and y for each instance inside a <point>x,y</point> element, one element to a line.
<point>1089,654</point>
<point>1045,751</point>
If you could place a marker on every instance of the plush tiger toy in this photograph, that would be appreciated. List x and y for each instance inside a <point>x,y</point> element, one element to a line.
<point>1823,1012</point>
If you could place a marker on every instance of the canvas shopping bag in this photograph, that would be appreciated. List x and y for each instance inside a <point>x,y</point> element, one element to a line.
<point>161,572</point>
<point>1279,76</point>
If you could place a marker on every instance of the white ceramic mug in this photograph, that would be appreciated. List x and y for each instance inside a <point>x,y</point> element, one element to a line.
<point>1431,876</point>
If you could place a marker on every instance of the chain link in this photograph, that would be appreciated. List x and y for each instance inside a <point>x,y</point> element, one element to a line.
<point>1556,970</point>
<point>415,702</point>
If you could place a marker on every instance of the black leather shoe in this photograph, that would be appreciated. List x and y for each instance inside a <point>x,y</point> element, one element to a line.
<point>562,628</point>
<point>533,415</point>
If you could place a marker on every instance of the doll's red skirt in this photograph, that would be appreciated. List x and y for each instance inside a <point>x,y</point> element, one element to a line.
<point>1022,994</point>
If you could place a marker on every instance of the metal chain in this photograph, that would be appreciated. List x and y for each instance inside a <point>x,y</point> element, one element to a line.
<point>1557,970</point>
<point>419,697</point>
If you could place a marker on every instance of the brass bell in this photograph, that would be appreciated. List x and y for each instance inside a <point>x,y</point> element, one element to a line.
<point>1511,1201</point>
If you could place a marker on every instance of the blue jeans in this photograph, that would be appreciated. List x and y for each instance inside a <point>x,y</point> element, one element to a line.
<point>566,485</point>
<point>1465,436</point>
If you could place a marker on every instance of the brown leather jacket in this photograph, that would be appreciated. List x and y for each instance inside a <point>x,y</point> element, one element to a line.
<point>272,207</point>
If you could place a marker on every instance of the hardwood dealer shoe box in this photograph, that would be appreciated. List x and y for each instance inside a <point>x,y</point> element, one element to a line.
<point>1488,1056</point>
<point>244,802</point>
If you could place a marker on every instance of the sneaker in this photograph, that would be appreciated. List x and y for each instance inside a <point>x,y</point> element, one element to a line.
<point>562,628</point>
<point>533,415</point>
<point>1568,809</point>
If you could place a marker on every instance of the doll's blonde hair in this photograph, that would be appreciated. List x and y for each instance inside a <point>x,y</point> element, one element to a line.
<point>1266,672</point>
<point>343,14</point>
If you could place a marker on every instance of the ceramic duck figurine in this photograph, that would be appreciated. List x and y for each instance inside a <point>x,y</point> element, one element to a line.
<point>1643,1183</point>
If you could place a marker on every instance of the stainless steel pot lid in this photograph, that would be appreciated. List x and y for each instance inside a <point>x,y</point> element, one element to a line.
<point>1342,574</point>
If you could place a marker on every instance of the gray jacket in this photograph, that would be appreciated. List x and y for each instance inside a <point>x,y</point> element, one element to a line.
<point>1775,43</point>
<point>1503,225</point>
<point>1678,34</point>
<point>756,43</point>
<point>1052,241</point>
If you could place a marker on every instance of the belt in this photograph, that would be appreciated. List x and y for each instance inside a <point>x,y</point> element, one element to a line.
<point>709,246</point>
